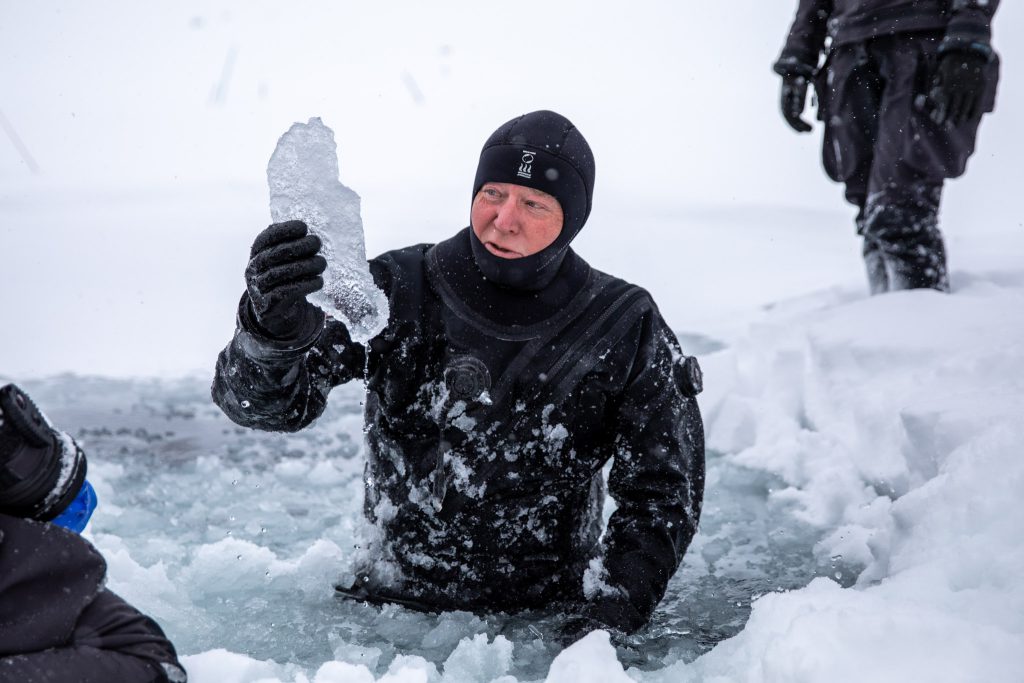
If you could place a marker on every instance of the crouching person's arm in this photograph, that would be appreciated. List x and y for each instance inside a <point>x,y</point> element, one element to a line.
<point>57,622</point>
<point>112,641</point>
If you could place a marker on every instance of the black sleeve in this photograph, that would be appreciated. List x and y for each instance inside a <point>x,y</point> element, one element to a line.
<point>112,641</point>
<point>82,664</point>
<point>48,575</point>
<point>109,623</point>
<point>282,385</point>
<point>657,480</point>
<point>58,624</point>
<point>806,36</point>
<point>970,24</point>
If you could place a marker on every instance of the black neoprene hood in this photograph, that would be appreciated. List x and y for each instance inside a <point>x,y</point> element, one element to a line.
<point>545,151</point>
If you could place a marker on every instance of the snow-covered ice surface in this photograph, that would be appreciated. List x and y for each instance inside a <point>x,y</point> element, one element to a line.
<point>860,522</point>
<point>303,180</point>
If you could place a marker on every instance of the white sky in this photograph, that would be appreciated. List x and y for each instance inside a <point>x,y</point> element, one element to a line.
<point>145,129</point>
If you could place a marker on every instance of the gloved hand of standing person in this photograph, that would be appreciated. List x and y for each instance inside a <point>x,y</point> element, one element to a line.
<point>284,267</point>
<point>795,77</point>
<point>794,95</point>
<point>958,86</point>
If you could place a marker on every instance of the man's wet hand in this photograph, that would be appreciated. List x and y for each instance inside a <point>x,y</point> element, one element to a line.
<point>284,267</point>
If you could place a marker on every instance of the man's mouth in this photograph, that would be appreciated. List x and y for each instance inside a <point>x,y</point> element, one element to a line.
<point>501,251</point>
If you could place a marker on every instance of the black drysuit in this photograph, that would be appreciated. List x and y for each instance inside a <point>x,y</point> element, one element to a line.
<point>58,624</point>
<point>880,140</point>
<point>490,414</point>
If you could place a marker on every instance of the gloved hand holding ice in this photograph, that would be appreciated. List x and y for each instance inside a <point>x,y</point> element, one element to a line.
<point>304,185</point>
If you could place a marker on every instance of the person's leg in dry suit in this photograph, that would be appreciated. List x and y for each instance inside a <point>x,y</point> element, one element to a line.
<point>885,141</point>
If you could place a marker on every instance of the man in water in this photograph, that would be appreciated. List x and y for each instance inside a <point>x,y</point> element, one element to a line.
<point>510,372</point>
<point>901,92</point>
<point>58,623</point>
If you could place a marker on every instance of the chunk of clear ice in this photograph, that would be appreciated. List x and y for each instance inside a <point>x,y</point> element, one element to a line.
<point>303,179</point>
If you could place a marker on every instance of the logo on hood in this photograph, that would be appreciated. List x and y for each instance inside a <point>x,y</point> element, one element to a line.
<point>526,164</point>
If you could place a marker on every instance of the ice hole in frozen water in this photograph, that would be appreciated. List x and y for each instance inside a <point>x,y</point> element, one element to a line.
<point>233,538</point>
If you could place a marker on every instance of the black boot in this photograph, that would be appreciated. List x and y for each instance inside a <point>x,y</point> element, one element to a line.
<point>878,280</point>
<point>901,236</point>
<point>920,265</point>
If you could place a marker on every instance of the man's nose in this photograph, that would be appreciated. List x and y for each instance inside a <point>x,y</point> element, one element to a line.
<point>507,218</point>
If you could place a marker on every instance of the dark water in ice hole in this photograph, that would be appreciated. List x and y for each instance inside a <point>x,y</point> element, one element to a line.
<point>184,481</point>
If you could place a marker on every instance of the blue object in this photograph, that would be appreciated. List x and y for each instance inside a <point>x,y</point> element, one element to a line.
<point>77,514</point>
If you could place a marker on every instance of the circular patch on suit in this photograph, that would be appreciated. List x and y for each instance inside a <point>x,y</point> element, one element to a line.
<point>689,377</point>
<point>466,377</point>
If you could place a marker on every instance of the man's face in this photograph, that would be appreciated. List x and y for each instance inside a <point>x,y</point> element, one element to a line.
<point>514,221</point>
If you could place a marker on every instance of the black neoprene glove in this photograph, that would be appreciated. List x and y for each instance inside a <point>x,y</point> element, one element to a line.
<point>958,86</point>
<point>284,267</point>
<point>794,95</point>
<point>795,77</point>
<point>38,479</point>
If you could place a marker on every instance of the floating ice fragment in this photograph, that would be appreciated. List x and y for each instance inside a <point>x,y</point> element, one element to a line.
<point>303,179</point>
<point>335,672</point>
<point>592,658</point>
<point>475,659</point>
